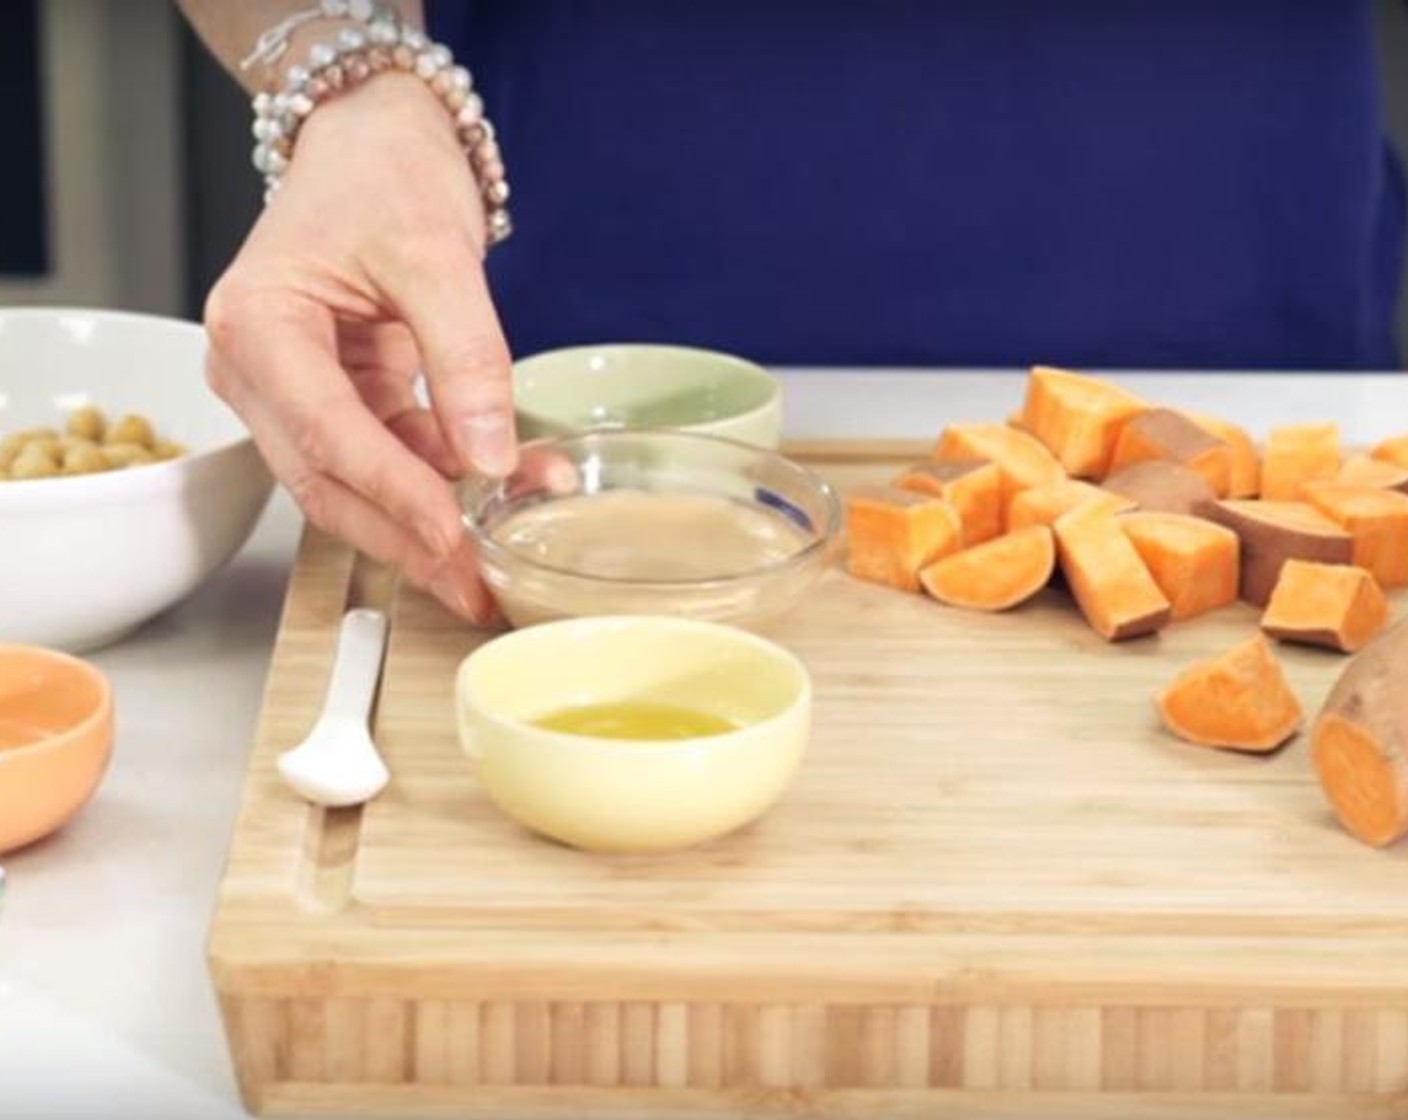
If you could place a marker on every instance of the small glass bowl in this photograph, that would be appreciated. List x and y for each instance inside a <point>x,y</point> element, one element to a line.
<point>646,521</point>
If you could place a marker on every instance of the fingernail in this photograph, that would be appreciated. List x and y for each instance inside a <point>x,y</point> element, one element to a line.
<point>489,441</point>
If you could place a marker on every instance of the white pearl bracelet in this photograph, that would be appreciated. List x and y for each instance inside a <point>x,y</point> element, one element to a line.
<point>353,56</point>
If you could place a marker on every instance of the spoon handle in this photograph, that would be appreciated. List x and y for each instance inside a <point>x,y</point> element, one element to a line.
<point>361,641</point>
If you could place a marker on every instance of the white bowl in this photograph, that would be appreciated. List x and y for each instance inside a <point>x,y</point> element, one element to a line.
<point>85,560</point>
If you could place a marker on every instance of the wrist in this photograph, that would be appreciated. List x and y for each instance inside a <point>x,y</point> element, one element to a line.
<point>373,61</point>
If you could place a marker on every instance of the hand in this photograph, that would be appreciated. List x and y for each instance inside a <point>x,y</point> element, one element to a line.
<point>364,269</point>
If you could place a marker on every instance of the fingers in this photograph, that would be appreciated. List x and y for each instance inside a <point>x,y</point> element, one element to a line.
<point>418,429</point>
<point>280,361</point>
<point>384,364</point>
<point>337,509</point>
<point>445,300</point>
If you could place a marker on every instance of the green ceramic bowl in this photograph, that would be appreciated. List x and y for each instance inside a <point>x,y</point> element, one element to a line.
<point>582,388</point>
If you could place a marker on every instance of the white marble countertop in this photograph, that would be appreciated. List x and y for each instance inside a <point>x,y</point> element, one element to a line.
<point>105,1005</point>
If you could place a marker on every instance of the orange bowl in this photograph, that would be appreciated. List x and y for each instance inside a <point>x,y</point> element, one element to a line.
<point>55,740</point>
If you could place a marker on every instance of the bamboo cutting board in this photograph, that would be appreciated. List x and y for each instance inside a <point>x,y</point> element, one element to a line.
<point>996,889</point>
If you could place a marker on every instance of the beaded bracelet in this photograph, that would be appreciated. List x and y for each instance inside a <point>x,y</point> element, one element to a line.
<point>354,56</point>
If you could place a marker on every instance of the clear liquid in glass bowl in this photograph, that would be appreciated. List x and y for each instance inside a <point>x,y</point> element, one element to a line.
<point>651,522</point>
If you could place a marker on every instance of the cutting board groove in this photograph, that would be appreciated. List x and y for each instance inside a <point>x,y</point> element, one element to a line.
<point>996,889</point>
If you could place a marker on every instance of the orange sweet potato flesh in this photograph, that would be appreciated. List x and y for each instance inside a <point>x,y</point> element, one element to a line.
<point>1359,743</point>
<point>1337,606</point>
<point>1162,433</point>
<point>1376,519</point>
<point>997,575</point>
<point>1043,505</point>
<point>1111,585</point>
<point>894,533</point>
<point>1274,532</point>
<point>1023,459</point>
<point>1196,563</point>
<point>1239,700</point>
<point>1393,450</point>
<point>1161,486</point>
<point>973,486</point>
<point>1363,470</point>
<point>1079,418</point>
<point>1297,454</point>
<point>1245,478</point>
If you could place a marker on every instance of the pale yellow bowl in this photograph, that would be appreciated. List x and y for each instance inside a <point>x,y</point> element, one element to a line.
<point>631,796</point>
<point>638,385</point>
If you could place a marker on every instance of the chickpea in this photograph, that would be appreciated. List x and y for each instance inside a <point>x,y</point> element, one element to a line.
<point>46,444</point>
<point>120,455</point>
<point>131,429</point>
<point>165,449</point>
<point>27,435</point>
<point>84,457</point>
<point>34,462</point>
<point>88,423</point>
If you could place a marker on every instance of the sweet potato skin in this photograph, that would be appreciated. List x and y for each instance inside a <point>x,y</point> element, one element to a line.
<point>1162,433</point>
<point>1161,486</point>
<point>1267,543</point>
<point>1359,742</point>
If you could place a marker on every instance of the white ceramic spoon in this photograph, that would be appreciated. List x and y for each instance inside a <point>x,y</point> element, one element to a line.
<point>338,764</point>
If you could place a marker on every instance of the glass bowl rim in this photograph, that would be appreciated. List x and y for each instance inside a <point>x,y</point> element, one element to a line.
<point>822,538</point>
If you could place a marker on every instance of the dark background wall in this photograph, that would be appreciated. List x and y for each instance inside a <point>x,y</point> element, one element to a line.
<point>149,213</point>
<point>23,218</point>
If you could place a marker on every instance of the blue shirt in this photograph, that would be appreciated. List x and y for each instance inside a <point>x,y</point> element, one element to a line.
<point>1197,183</point>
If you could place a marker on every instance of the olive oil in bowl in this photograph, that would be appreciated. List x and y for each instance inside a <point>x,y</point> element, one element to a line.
<point>639,720</point>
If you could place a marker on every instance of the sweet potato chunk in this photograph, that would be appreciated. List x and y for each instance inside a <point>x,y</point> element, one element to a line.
<point>1245,479</point>
<point>1360,741</point>
<point>894,533</point>
<point>1042,505</point>
<point>1022,458</point>
<point>1376,519</point>
<point>1112,587</point>
<point>1196,563</point>
<point>994,576</point>
<point>1362,470</point>
<point>1394,450</point>
<point>1240,700</point>
<point>1297,454</point>
<point>1338,606</point>
<point>1274,532</point>
<point>1162,433</point>
<point>972,486</point>
<point>1078,418</point>
<point>1161,486</point>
